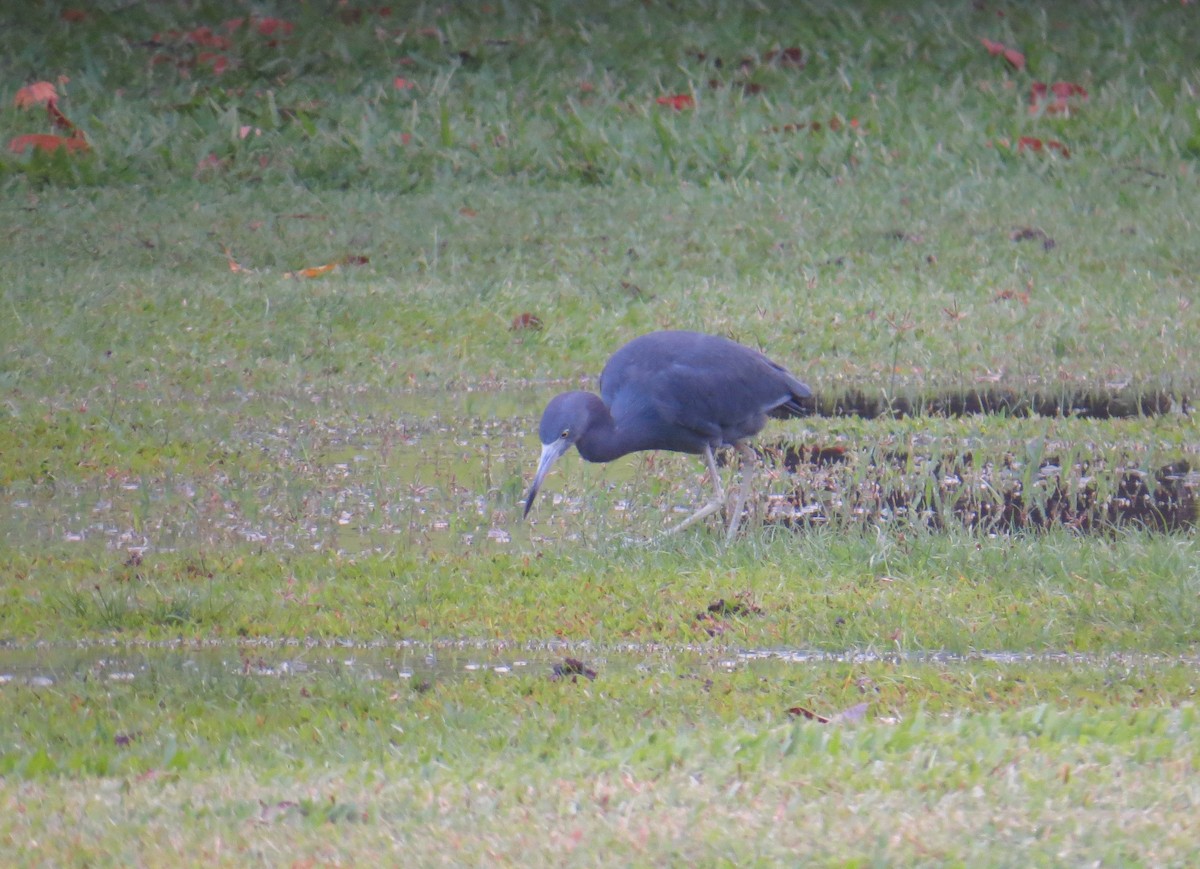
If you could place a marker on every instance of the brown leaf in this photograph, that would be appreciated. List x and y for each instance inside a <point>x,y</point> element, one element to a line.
<point>801,712</point>
<point>234,266</point>
<point>572,668</point>
<point>789,58</point>
<point>525,322</point>
<point>846,716</point>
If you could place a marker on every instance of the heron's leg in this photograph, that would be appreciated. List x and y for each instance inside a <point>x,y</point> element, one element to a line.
<point>717,502</point>
<point>749,460</point>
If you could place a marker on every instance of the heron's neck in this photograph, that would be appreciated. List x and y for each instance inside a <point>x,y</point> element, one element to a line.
<point>603,440</point>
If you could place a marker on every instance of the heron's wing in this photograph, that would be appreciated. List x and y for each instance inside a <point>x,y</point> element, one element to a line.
<point>699,388</point>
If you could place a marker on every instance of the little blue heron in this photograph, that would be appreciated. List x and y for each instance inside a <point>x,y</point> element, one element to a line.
<point>681,391</point>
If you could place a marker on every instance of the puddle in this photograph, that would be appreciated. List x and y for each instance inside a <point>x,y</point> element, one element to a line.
<point>421,664</point>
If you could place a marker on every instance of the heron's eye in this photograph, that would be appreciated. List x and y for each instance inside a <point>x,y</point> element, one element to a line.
<point>566,433</point>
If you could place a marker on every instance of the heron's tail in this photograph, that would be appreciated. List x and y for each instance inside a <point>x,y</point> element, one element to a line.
<point>800,403</point>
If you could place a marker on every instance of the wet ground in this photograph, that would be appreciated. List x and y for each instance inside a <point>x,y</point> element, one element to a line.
<point>440,470</point>
<point>421,664</point>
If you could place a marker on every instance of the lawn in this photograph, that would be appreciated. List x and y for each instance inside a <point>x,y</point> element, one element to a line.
<point>287,288</point>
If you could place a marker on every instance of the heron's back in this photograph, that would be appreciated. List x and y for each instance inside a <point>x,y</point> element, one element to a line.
<point>684,391</point>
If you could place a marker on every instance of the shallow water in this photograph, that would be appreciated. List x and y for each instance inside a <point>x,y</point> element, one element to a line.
<point>47,665</point>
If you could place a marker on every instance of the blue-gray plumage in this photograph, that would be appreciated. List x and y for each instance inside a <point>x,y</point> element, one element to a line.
<point>681,391</point>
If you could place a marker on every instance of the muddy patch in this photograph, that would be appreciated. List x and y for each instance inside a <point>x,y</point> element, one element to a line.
<point>1084,404</point>
<point>996,493</point>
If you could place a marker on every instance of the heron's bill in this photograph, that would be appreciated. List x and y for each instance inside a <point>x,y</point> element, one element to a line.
<point>550,454</point>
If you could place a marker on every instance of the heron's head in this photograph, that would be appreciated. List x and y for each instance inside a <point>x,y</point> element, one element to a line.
<point>564,421</point>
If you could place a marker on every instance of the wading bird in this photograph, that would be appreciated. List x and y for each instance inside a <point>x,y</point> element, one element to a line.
<point>681,391</point>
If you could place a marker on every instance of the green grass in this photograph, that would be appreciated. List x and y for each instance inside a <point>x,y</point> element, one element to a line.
<point>207,474</point>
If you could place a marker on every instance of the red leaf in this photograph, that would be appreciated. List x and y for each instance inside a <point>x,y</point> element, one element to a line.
<point>57,118</point>
<point>210,163</point>
<point>1065,89</point>
<point>47,142</point>
<point>403,84</point>
<point>39,93</point>
<point>219,62</point>
<point>75,15</point>
<point>204,36</point>
<point>1032,143</point>
<point>268,26</point>
<point>1015,58</point>
<point>1056,99</point>
<point>678,102</point>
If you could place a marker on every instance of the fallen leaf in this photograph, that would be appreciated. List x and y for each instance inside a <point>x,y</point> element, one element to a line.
<point>852,714</point>
<point>39,93</point>
<point>403,84</point>
<point>1065,89</point>
<point>47,142</point>
<point>801,712</point>
<point>210,163</point>
<point>678,102</point>
<point>234,266</point>
<point>205,36</point>
<point>312,271</point>
<point>572,668</point>
<point>74,15</point>
<point>1005,295</point>
<point>57,118</point>
<point>219,62</point>
<point>317,271</point>
<point>525,322</point>
<point>1031,143</point>
<point>792,57</point>
<point>1060,98</point>
<point>270,26</point>
<point>1015,58</point>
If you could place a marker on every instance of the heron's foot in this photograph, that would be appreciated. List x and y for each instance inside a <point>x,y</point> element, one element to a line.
<point>703,513</point>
